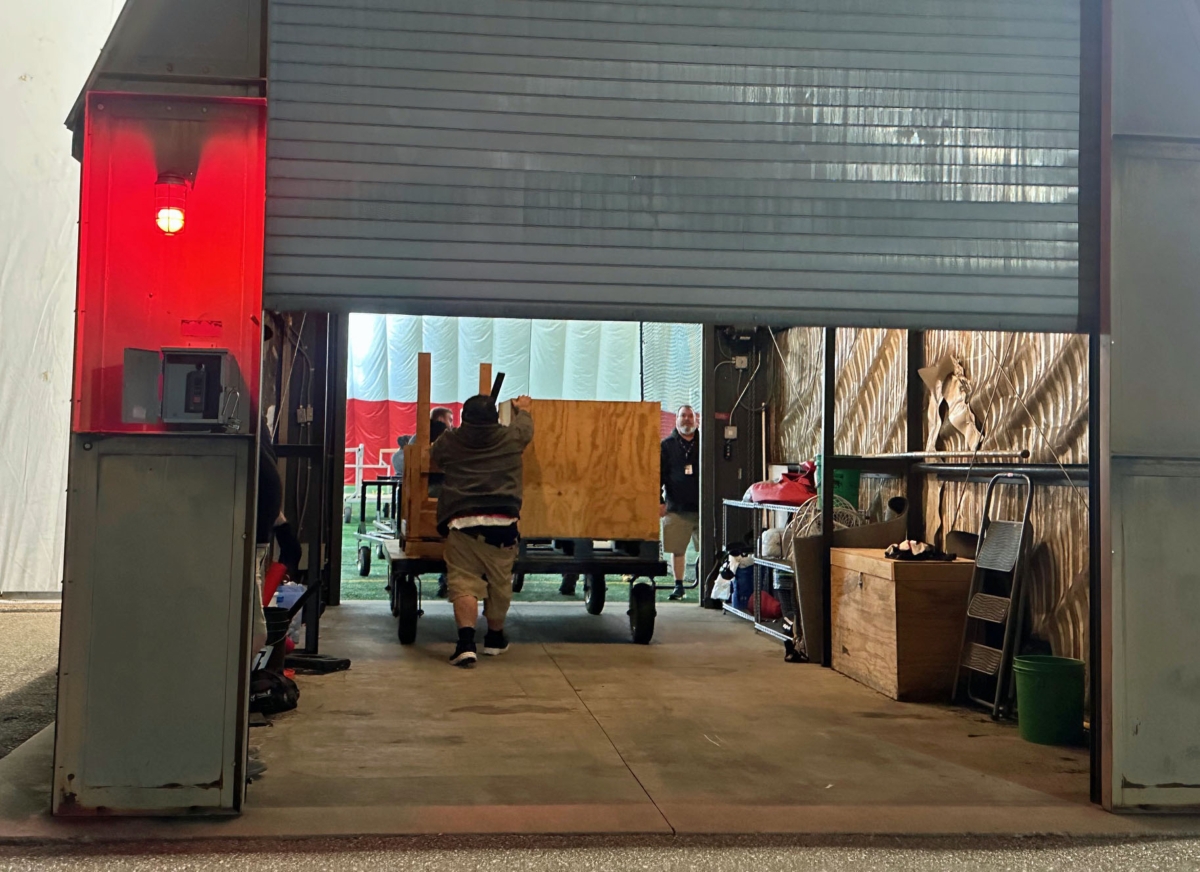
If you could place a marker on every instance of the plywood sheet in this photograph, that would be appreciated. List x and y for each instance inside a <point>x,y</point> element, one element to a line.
<point>930,619</point>
<point>592,470</point>
<point>864,629</point>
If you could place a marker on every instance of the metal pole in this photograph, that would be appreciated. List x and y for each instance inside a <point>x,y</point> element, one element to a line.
<point>915,432</point>
<point>708,457</point>
<point>827,472</point>
<point>1096,556</point>
<point>642,358</point>
<point>1095,89</point>
<point>335,451</point>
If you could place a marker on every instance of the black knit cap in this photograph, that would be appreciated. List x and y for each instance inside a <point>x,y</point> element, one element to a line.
<point>480,410</point>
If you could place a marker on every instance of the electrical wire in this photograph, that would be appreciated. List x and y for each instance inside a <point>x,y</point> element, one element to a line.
<point>783,365</point>
<point>754,410</point>
<point>746,388</point>
<point>296,338</point>
<point>287,382</point>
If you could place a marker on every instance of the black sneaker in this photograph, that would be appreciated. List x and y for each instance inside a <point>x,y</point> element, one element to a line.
<point>494,643</point>
<point>567,588</point>
<point>677,594</point>
<point>464,655</point>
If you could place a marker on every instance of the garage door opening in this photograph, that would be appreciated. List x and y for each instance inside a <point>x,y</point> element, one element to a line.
<point>580,361</point>
<point>711,727</point>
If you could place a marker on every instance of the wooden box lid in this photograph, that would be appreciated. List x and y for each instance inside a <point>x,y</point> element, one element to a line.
<point>872,562</point>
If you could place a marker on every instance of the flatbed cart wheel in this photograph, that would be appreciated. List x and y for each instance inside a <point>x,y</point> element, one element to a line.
<point>393,598</point>
<point>641,612</point>
<point>518,581</point>
<point>364,560</point>
<point>595,590</point>
<point>347,513</point>
<point>408,611</point>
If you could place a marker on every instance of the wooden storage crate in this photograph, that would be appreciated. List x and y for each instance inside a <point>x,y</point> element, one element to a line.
<point>898,624</point>
<point>591,471</point>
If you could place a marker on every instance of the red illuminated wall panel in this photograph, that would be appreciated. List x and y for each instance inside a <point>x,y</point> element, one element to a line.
<point>142,288</point>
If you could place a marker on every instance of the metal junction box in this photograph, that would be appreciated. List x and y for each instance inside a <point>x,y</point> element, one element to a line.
<point>198,387</point>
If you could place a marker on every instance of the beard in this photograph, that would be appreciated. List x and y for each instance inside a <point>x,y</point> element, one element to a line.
<point>686,429</point>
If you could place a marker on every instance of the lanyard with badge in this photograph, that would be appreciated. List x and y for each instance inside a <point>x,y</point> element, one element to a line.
<point>689,445</point>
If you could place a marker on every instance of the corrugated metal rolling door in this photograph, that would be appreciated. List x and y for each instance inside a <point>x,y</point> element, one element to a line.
<point>857,162</point>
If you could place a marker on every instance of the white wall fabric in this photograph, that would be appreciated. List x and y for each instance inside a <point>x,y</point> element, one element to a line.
<point>48,50</point>
<point>568,360</point>
<point>672,360</point>
<point>474,347</point>
<point>403,332</point>
<point>368,370</point>
<point>619,362</point>
<point>547,348</point>
<point>510,354</point>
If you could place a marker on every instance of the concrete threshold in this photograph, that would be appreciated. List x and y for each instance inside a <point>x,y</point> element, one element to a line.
<point>25,818</point>
<point>577,732</point>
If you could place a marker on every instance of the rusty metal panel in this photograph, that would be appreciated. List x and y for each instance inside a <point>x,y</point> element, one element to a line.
<point>870,163</point>
<point>796,396</point>
<point>1029,391</point>
<point>1047,371</point>
<point>869,396</point>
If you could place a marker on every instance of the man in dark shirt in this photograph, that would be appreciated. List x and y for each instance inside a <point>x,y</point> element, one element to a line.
<point>679,469</point>
<point>478,509</point>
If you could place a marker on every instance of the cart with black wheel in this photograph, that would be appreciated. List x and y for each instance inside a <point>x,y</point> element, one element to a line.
<point>384,527</point>
<point>598,565</point>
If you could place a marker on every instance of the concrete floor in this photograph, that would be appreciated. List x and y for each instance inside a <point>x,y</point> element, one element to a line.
<point>575,730</point>
<point>28,684</point>
<point>706,730</point>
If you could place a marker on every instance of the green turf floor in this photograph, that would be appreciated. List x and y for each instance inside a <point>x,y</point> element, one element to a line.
<point>538,588</point>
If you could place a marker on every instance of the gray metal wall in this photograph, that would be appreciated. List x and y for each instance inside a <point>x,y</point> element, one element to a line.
<point>859,162</point>
<point>1152,466</point>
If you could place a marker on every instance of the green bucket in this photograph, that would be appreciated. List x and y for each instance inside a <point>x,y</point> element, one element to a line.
<point>1049,699</point>
<point>845,482</point>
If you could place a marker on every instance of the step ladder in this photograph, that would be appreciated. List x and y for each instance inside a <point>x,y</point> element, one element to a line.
<point>996,604</point>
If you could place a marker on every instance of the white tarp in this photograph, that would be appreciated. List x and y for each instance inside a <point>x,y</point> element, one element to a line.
<point>48,50</point>
<point>569,360</point>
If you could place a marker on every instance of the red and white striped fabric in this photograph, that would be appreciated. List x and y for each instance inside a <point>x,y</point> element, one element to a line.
<point>570,360</point>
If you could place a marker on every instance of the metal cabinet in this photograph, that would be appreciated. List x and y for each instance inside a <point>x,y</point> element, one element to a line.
<point>151,700</point>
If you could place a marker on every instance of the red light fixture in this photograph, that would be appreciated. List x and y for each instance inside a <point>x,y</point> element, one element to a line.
<point>170,202</point>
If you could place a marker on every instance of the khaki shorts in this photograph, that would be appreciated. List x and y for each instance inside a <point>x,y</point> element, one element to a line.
<point>678,528</point>
<point>475,568</point>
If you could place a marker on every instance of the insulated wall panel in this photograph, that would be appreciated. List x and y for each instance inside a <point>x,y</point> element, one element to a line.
<point>855,162</point>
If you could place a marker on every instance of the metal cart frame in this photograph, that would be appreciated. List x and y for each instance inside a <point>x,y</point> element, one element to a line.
<point>760,562</point>
<point>383,530</point>
<point>597,565</point>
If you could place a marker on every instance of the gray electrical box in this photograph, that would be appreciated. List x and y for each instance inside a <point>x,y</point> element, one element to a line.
<point>200,387</point>
<point>155,625</point>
